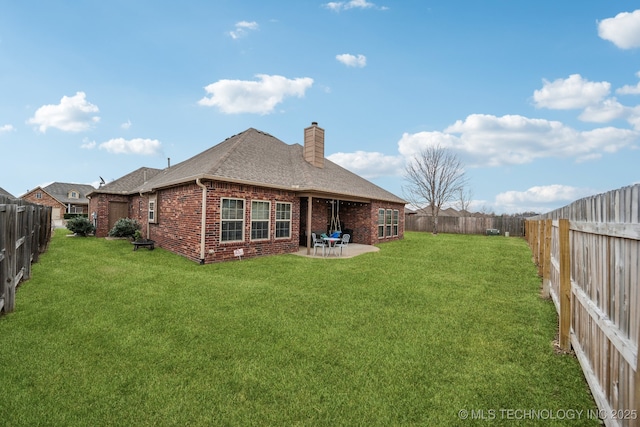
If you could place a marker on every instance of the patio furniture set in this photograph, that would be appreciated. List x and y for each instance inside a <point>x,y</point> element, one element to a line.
<point>330,242</point>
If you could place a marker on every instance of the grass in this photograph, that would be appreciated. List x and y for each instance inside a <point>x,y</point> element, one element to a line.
<point>411,335</point>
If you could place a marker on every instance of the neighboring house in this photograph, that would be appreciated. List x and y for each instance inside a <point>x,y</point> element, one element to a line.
<point>63,198</point>
<point>448,212</point>
<point>5,193</point>
<point>252,192</point>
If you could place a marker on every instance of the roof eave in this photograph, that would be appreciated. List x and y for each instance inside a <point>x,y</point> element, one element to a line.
<point>299,190</point>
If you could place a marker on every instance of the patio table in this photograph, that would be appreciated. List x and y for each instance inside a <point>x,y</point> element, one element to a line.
<point>331,241</point>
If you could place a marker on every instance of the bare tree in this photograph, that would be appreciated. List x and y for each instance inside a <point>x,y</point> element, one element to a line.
<point>435,176</point>
<point>464,198</point>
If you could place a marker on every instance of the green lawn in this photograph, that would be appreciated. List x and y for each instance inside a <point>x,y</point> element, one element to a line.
<point>415,334</point>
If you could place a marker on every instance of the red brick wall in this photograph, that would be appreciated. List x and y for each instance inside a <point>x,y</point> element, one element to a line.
<point>99,203</point>
<point>374,217</point>
<point>178,222</point>
<point>179,215</point>
<point>46,200</point>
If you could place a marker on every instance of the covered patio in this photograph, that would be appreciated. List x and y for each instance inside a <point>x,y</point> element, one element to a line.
<point>326,213</point>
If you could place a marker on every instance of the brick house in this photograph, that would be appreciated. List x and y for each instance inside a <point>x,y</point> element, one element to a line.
<point>251,192</point>
<point>62,197</point>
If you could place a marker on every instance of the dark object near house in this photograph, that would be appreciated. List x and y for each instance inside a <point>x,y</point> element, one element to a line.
<point>143,242</point>
<point>493,232</point>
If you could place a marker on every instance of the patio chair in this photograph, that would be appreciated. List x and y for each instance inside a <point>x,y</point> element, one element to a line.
<point>344,242</point>
<point>317,243</point>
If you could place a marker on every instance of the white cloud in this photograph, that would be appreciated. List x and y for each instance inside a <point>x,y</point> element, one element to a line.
<point>88,144</point>
<point>126,125</point>
<point>539,198</point>
<point>337,6</point>
<point>593,98</point>
<point>486,140</point>
<point>571,93</point>
<point>349,60</point>
<point>147,147</point>
<point>242,28</point>
<point>603,112</point>
<point>261,97</point>
<point>630,90</point>
<point>623,30</point>
<point>369,165</point>
<point>73,114</point>
<point>634,116</point>
<point>411,144</point>
<point>6,129</point>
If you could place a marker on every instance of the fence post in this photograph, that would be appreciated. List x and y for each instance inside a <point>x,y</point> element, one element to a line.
<point>546,263</point>
<point>635,400</point>
<point>10,259</point>
<point>540,249</point>
<point>565,285</point>
<point>3,261</point>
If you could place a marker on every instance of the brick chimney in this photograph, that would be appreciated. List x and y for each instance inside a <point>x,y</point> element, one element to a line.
<point>314,145</point>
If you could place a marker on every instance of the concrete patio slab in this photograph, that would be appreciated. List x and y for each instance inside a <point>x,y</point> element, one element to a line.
<point>354,249</point>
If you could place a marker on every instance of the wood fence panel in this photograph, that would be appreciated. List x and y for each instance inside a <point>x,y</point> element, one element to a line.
<point>604,245</point>
<point>25,231</point>
<point>466,225</point>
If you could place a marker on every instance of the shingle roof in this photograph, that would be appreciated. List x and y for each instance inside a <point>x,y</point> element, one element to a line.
<point>60,190</point>
<point>5,193</point>
<point>449,212</point>
<point>129,183</point>
<point>256,158</point>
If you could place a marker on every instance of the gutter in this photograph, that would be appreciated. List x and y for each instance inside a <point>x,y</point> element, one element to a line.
<point>203,220</point>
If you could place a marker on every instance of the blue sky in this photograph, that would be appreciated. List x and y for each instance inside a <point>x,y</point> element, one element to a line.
<point>540,100</point>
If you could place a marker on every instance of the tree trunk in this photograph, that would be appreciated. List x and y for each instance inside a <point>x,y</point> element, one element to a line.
<point>435,210</point>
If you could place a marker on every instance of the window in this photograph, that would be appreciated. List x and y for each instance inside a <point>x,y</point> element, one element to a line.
<point>380,223</point>
<point>388,221</point>
<point>260,212</point>
<point>396,218</point>
<point>153,199</point>
<point>73,194</point>
<point>283,220</point>
<point>232,220</point>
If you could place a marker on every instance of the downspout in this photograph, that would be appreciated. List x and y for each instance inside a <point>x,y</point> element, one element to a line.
<point>203,220</point>
<point>140,214</point>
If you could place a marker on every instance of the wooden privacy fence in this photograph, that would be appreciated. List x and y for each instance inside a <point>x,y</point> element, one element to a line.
<point>25,231</point>
<point>588,254</point>
<point>465,224</point>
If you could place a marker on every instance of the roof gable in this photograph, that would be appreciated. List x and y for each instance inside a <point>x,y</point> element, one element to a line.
<point>63,192</point>
<point>5,193</point>
<point>128,183</point>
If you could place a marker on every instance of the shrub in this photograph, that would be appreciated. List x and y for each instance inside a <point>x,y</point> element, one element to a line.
<point>73,215</point>
<point>81,226</point>
<point>125,227</point>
